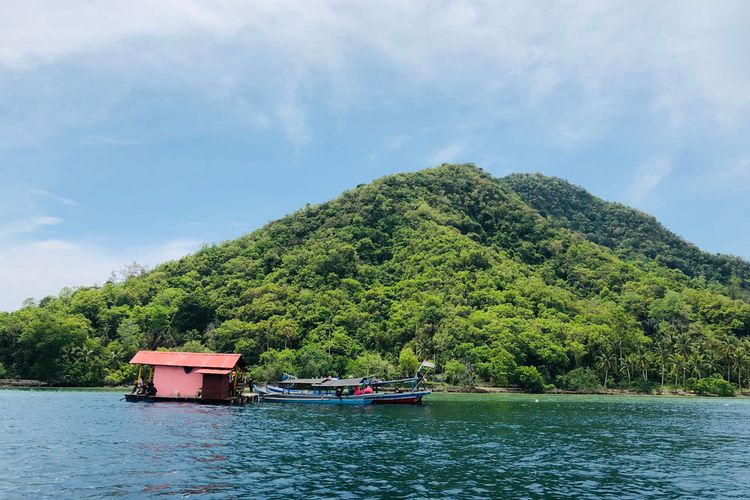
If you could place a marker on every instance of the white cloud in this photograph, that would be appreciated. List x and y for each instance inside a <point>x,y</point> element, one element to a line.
<point>731,179</point>
<point>27,225</point>
<point>167,251</point>
<point>446,154</point>
<point>37,269</point>
<point>293,118</point>
<point>38,32</point>
<point>576,67</point>
<point>647,178</point>
<point>55,245</point>
<point>52,196</point>
<point>737,175</point>
<point>396,142</point>
<point>102,140</point>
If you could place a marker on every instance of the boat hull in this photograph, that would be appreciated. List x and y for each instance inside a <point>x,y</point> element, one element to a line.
<point>407,398</point>
<point>274,395</point>
<point>320,399</point>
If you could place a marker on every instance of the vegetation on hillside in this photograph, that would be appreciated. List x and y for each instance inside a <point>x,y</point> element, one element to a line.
<point>447,263</point>
<point>628,231</point>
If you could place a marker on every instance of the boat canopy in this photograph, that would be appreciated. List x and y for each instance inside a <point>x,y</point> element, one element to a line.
<point>397,381</point>
<point>310,381</point>
<point>323,382</point>
<point>187,359</point>
<point>346,382</point>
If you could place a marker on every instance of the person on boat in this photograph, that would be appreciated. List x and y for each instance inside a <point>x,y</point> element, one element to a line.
<point>368,390</point>
<point>151,391</point>
<point>358,391</point>
<point>339,392</point>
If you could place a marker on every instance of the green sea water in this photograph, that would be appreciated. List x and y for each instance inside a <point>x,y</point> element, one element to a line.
<point>89,444</point>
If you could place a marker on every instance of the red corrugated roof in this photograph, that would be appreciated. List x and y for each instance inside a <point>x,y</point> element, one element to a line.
<point>193,359</point>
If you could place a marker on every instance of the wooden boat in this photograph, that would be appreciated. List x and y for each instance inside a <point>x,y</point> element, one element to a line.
<point>350,391</point>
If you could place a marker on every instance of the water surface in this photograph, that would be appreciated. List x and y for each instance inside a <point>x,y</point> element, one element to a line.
<point>91,444</point>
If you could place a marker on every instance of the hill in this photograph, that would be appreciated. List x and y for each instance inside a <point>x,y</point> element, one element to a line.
<point>629,232</point>
<point>488,277</point>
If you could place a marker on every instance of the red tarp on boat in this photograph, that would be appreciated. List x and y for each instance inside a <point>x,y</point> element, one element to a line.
<point>187,359</point>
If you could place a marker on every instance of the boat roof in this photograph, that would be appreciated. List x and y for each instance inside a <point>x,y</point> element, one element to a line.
<point>290,381</point>
<point>323,382</point>
<point>396,381</point>
<point>346,382</point>
<point>187,359</point>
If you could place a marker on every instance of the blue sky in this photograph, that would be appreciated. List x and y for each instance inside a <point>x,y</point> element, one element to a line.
<point>139,130</point>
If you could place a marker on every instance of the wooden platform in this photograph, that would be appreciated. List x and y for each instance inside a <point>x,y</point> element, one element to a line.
<point>235,401</point>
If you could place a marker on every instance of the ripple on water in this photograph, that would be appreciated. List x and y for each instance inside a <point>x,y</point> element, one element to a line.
<point>90,444</point>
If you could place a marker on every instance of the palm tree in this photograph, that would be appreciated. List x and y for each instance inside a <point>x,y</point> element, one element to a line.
<point>628,364</point>
<point>678,364</point>
<point>729,349</point>
<point>683,347</point>
<point>605,361</point>
<point>663,351</point>
<point>746,358</point>
<point>642,362</point>
<point>696,362</point>
<point>648,361</point>
<point>711,360</point>
<point>741,359</point>
<point>84,354</point>
<point>69,352</point>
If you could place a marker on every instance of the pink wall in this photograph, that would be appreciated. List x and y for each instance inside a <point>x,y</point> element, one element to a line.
<point>168,379</point>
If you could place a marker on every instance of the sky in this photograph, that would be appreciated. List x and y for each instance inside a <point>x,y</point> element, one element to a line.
<point>139,130</point>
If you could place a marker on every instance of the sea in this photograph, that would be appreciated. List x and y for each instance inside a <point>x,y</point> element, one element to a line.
<point>92,444</point>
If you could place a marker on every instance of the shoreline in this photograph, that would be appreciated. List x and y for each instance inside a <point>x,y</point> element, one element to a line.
<point>436,390</point>
<point>560,392</point>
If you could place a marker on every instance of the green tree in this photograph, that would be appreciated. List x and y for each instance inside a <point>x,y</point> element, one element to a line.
<point>48,344</point>
<point>407,362</point>
<point>605,362</point>
<point>580,379</point>
<point>456,373</point>
<point>275,364</point>
<point>314,360</point>
<point>714,385</point>
<point>530,379</point>
<point>370,365</point>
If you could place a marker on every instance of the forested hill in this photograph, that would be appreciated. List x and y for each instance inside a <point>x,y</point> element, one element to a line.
<point>626,230</point>
<point>447,263</point>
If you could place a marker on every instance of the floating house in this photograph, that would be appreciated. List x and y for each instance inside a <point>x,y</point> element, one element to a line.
<point>189,377</point>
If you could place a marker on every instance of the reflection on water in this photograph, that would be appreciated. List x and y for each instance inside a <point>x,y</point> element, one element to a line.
<point>77,444</point>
